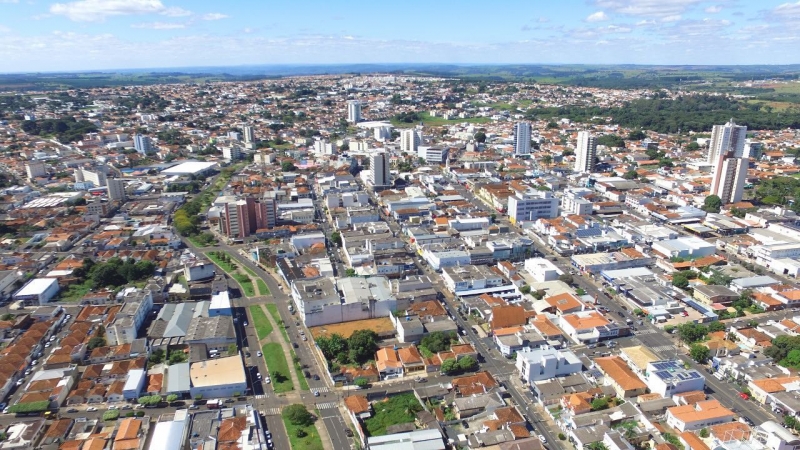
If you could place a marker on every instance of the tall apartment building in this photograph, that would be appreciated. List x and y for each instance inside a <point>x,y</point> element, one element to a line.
<point>249,134</point>
<point>410,139</point>
<point>753,150</point>
<point>725,139</point>
<point>522,138</point>
<point>243,217</point>
<point>533,205</point>
<point>98,177</point>
<point>232,153</point>
<point>585,152</point>
<point>729,177</point>
<point>433,155</point>
<point>379,169</point>
<point>116,190</point>
<point>35,169</point>
<point>353,111</point>
<point>143,144</point>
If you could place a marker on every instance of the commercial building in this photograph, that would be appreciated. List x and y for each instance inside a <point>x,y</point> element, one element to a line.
<point>684,247</point>
<point>728,179</point>
<point>353,111</point>
<point>116,190</point>
<point>35,169</point>
<point>379,169</point>
<point>728,138</point>
<point>218,377</point>
<point>170,430</point>
<point>410,139</point>
<point>619,376</point>
<point>587,327</point>
<point>190,168</point>
<point>585,152</point>
<point>37,291</point>
<point>542,270</point>
<point>532,205</point>
<point>546,364</point>
<point>125,327</point>
<point>672,377</point>
<point>522,138</point>
<point>433,155</point>
<point>143,144</point>
<point>97,178</point>
<point>462,279</point>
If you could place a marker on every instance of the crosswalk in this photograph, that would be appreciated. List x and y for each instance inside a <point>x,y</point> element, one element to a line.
<point>646,331</point>
<point>262,396</point>
<point>321,390</point>
<point>664,349</point>
<point>271,411</point>
<point>328,405</point>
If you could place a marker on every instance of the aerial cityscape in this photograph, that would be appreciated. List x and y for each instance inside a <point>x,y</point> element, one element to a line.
<point>323,249</point>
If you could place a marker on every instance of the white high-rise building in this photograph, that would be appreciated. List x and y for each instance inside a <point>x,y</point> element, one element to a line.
<point>353,111</point>
<point>585,152</point>
<point>379,169</point>
<point>116,190</point>
<point>522,138</point>
<point>410,139</point>
<point>98,177</point>
<point>35,169</point>
<point>531,206</point>
<point>753,150</point>
<point>729,177</point>
<point>727,138</point>
<point>232,153</point>
<point>249,135</point>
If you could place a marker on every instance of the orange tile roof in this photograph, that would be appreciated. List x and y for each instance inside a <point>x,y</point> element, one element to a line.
<point>357,404</point>
<point>587,321</point>
<point>701,411</point>
<point>508,316</point>
<point>615,367</point>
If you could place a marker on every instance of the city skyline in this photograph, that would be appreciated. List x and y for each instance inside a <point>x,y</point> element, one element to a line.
<point>116,34</point>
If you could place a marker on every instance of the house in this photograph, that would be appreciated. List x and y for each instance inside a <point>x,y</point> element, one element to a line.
<point>564,303</point>
<point>699,415</point>
<point>619,376</point>
<point>465,407</point>
<point>762,390</point>
<point>588,327</point>
<point>543,364</point>
<point>411,360</point>
<point>509,316</point>
<point>388,363</point>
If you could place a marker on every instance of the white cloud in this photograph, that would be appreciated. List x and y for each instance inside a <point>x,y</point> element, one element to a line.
<point>175,11</point>
<point>4,29</point>
<point>9,1</point>
<point>599,16</point>
<point>214,16</point>
<point>618,29</point>
<point>713,9</point>
<point>674,18</point>
<point>159,25</point>
<point>648,8</point>
<point>98,10</point>
<point>787,11</point>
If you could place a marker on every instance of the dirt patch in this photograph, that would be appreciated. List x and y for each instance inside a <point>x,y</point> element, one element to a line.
<point>383,326</point>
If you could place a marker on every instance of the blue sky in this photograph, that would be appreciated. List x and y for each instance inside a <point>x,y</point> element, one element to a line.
<point>37,35</point>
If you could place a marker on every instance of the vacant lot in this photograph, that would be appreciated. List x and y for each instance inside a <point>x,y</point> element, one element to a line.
<point>392,411</point>
<point>383,326</point>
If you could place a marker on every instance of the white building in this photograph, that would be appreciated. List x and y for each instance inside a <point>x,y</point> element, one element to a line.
<point>137,304</point>
<point>323,147</point>
<point>353,111</point>
<point>218,378</point>
<point>116,190</point>
<point>668,378</point>
<point>728,138</point>
<point>697,416</point>
<point>38,291</point>
<point>522,138</point>
<point>198,270</point>
<point>97,178</point>
<point>468,278</point>
<point>728,179</point>
<point>232,153</point>
<point>433,155</point>
<point>542,270</point>
<point>546,364</point>
<point>35,169</point>
<point>585,152</point>
<point>379,169</point>
<point>249,134</point>
<point>410,139</point>
<point>684,247</point>
<point>573,202</point>
<point>532,205</point>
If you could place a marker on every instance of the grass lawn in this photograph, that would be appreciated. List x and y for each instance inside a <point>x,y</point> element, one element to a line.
<point>196,242</point>
<point>311,441</point>
<point>250,271</point>
<point>396,410</point>
<point>260,321</point>
<point>273,311</point>
<point>246,283</point>
<point>226,266</point>
<point>262,287</point>
<point>300,378</point>
<point>437,121</point>
<point>75,292</point>
<point>278,367</point>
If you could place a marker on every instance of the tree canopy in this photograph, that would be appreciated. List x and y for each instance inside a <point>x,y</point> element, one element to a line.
<point>712,204</point>
<point>298,415</point>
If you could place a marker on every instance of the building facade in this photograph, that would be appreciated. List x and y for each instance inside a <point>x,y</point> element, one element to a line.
<point>728,138</point>
<point>379,169</point>
<point>585,152</point>
<point>522,138</point>
<point>353,111</point>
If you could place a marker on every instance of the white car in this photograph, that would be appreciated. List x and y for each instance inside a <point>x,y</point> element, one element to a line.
<point>112,407</point>
<point>259,354</point>
<point>543,439</point>
<point>91,409</point>
<point>267,380</point>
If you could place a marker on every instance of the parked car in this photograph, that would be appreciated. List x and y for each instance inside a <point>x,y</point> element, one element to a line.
<point>744,396</point>
<point>72,410</point>
<point>91,409</point>
<point>543,439</point>
<point>259,354</point>
<point>348,432</point>
<point>316,393</point>
<point>316,377</point>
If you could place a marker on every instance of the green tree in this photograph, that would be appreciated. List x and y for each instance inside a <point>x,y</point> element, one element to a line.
<point>565,278</point>
<point>438,341</point>
<point>718,278</point>
<point>362,345</point>
<point>715,326</point>
<point>611,140</point>
<point>792,359</point>
<point>232,349</point>
<point>480,136</point>
<point>298,415</point>
<point>703,433</point>
<point>679,280</point>
<point>171,398</point>
<point>636,135</point>
<point>95,342</point>
<point>288,166</point>
<point>712,204</point>
<point>692,332</point>
<point>449,366</point>
<point>157,356</point>
<point>350,273</point>
<point>525,289</point>
<point>467,364</point>
<point>361,382</point>
<point>333,346</point>
<point>336,238</point>
<point>699,353</point>
<point>630,175</point>
<point>599,404</point>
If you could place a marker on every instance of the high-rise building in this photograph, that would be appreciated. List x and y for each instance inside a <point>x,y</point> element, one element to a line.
<point>35,169</point>
<point>143,144</point>
<point>753,150</point>
<point>530,206</point>
<point>353,111</point>
<point>585,152</point>
<point>97,177</point>
<point>729,177</point>
<point>727,138</point>
<point>410,139</point>
<point>232,153</point>
<point>116,190</point>
<point>379,169</point>
<point>522,138</point>
<point>249,135</point>
<point>245,216</point>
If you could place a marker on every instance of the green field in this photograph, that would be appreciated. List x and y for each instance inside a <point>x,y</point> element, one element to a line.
<point>273,311</point>
<point>299,369</point>
<point>75,292</point>
<point>260,322</point>
<point>397,410</point>
<point>246,283</point>
<point>195,242</point>
<point>250,271</point>
<point>438,121</point>
<point>262,287</point>
<point>229,267</point>
<point>278,367</point>
<point>311,441</point>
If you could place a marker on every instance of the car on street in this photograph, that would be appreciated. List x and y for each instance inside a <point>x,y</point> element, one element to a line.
<point>91,409</point>
<point>543,439</point>
<point>259,354</point>
<point>245,323</point>
<point>112,407</point>
<point>127,407</point>
<point>316,393</point>
<point>72,410</point>
<point>348,432</point>
<point>316,377</point>
<point>464,424</point>
<point>744,396</point>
